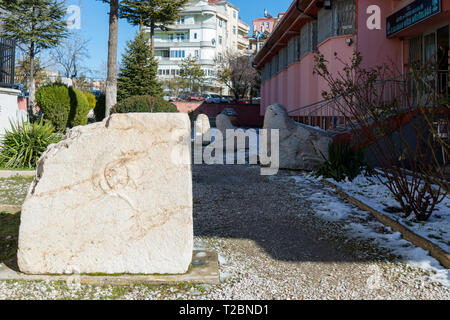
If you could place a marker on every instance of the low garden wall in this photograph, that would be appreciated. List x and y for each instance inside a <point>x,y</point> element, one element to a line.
<point>248,114</point>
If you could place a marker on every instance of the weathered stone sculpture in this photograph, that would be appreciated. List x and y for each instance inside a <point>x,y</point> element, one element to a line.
<point>301,147</point>
<point>113,197</point>
<point>223,123</point>
<point>203,128</point>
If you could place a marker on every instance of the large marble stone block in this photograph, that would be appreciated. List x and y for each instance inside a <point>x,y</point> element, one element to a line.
<point>113,197</point>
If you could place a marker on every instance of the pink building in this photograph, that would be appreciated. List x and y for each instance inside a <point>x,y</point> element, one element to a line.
<point>384,31</point>
<point>264,24</point>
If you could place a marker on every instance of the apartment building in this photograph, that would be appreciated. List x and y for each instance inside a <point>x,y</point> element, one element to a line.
<point>262,28</point>
<point>207,29</point>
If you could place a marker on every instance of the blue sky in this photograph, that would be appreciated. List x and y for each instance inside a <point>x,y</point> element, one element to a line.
<point>94,26</point>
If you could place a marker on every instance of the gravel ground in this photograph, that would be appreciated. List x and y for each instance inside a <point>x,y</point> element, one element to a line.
<point>13,190</point>
<point>272,245</point>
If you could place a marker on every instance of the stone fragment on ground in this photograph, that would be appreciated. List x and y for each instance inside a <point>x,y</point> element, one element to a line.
<point>231,138</point>
<point>112,197</point>
<point>301,147</point>
<point>203,129</point>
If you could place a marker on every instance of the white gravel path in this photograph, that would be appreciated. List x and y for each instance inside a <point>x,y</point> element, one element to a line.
<point>274,243</point>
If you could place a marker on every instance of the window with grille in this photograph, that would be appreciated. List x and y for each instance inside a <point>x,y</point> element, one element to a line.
<point>324,24</point>
<point>338,21</point>
<point>308,38</point>
<point>344,16</point>
<point>7,61</point>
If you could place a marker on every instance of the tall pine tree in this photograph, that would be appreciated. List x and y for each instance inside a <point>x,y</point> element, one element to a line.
<point>36,25</point>
<point>111,79</point>
<point>138,74</point>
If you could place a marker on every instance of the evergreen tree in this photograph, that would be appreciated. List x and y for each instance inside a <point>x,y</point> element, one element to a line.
<point>35,25</point>
<point>139,70</point>
<point>151,13</point>
<point>191,71</point>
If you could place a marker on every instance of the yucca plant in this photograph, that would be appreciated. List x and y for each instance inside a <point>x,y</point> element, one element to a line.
<point>22,146</point>
<point>343,162</point>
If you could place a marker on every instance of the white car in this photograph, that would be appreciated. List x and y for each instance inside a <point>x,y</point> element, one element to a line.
<point>215,98</point>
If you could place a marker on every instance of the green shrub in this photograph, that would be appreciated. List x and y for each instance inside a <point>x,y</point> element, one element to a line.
<point>143,104</point>
<point>54,101</point>
<point>343,163</point>
<point>91,100</point>
<point>63,106</point>
<point>79,108</point>
<point>24,144</point>
<point>100,108</point>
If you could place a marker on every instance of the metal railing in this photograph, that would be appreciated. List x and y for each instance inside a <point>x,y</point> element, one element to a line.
<point>329,114</point>
<point>7,62</point>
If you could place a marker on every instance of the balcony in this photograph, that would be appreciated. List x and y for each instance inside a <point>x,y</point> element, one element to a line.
<point>188,26</point>
<point>175,61</point>
<point>200,10</point>
<point>242,26</point>
<point>243,41</point>
<point>183,44</point>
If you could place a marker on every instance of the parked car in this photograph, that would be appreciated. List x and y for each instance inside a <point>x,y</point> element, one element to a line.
<point>96,93</point>
<point>195,97</point>
<point>183,97</point>
<point>215,98</point>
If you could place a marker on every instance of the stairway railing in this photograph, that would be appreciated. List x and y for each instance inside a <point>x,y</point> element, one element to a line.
<point>328,114</point>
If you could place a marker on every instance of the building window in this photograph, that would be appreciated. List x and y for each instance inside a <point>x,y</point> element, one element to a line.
<point>308,38</point>
<point>344,16</point>
<point>177,53</point>
<point>181,36</point>
<point>220,23</point>
<point>197,54</point>
<point>234,29</point>
<point>268,25</point>
<point>338,21</point>
<point>220,40</point>
<point>195,36</point>
<point>234,14</point>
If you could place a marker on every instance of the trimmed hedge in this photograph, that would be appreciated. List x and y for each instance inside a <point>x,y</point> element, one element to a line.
<point>54,101</point>
<point>79,108</point>
<point>143,104</point>
<point>91,100</point>
<point>63,106</point>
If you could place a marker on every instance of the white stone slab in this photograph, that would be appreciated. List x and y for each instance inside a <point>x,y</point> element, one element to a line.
<point>113,197</point>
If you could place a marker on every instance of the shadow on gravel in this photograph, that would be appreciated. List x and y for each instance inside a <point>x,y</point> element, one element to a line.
<point>9,236</point>
<point>236,202</point>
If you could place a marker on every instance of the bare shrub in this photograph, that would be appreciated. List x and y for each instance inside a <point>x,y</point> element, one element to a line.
<point>395,117</point>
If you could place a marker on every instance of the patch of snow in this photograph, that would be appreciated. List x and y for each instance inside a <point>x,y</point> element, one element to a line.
<point>224,276</point>
<point>358,224</point>
<point>370,191</point>
<point>222,260</point>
